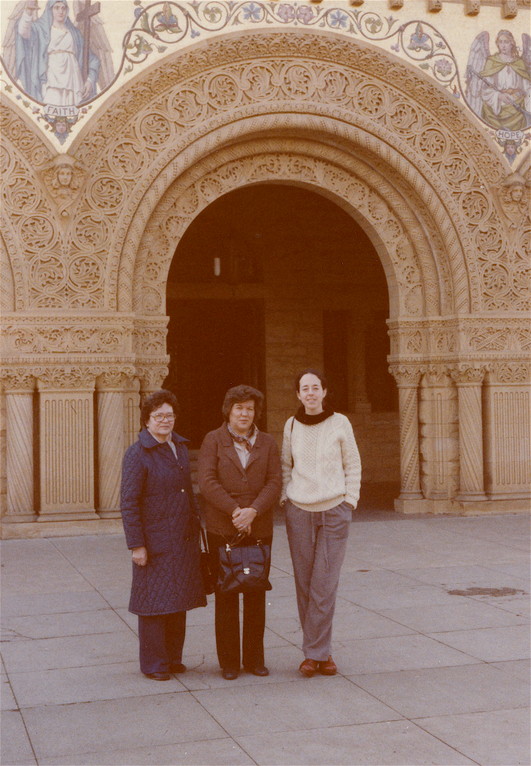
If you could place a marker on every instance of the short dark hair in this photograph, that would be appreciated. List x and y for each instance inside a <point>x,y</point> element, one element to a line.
<point>242,393</point>
<point>310,371</point>
<point>154,401</point>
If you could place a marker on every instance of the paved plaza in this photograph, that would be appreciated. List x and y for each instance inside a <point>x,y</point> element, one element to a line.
<point>431,640</point>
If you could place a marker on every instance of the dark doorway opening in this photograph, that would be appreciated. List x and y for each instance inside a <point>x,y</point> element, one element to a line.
<point>213,345</point>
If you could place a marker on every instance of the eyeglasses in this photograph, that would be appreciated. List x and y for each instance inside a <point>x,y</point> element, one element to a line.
<point>161,417</point>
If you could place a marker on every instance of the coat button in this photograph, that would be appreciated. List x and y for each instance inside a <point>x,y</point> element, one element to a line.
<point>182,490</point>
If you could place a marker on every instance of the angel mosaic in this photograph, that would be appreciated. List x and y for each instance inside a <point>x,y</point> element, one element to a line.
<point>54,59</point>
<point>498,85</point>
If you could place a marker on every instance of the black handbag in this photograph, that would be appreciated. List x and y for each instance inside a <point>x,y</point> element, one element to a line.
<point>206,569</point>
<point>244,568</point>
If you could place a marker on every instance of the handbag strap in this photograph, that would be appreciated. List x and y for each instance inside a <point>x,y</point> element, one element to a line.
<point>204,545</point>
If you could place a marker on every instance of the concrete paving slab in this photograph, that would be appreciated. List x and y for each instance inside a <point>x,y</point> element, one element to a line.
<point>102,727</point>
<point>22,605</point>
<point>15,745</point>
<point>490,644</point>
<point>496,738</point>
<point>204,672</point>
<point>65,686</point>
<point>373,744</point>
<point>398,596</point>
<point>520,569</point>
<point>300,704</point>
<point>70,652</point>
<point>515,668</point>
<point>518,605</point>
<point>388,668</point>
<point>61,624</point>
<point>7,700</point>
<point>215,752</point>
<point>475,575</point>
<point>382,655</point>
<point>449,617</point>
<point>446,691</point>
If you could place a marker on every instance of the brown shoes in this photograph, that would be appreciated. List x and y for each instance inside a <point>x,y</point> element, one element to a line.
<point>328,667</point>
<point>308,668</point>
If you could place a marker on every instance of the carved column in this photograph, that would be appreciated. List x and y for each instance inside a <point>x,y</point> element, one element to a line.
<point>438,432</point>
<point>471,480</point>
<point>407,379</point>
<point>131,404</point>
<point>19,393</point>
<point>111,441</point>
<point>507,431</point>
<point>66,405</point>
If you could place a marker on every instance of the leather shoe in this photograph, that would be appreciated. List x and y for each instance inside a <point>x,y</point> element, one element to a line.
<point>308,667</point>
<point>229,674</point>
<point>258,670</point>
<point>158,676</point>
<point>328,667</point>
<point>177,667</point>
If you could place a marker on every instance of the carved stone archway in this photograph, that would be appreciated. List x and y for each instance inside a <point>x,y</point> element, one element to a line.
<point>89,262</point>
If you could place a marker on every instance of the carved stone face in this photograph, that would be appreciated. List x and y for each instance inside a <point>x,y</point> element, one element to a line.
<point>516,193</point>
<point>64,175</point>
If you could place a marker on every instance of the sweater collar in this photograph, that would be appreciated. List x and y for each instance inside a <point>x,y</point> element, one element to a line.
<point>312,420</point>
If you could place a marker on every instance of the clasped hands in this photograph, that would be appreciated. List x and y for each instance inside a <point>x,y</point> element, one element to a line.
<point>242,518</point>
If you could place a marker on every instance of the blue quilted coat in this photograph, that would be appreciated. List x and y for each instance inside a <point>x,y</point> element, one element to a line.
<point>158,512</point>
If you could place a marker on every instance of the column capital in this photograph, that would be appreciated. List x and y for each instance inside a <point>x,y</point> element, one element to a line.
<point>467,374</point>
<point>406,375</point>
<point>18,380</point>
<point>115,378</point>
<point>151,377</point>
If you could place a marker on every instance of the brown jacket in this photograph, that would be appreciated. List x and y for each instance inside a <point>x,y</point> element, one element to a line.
<point>226,485</point>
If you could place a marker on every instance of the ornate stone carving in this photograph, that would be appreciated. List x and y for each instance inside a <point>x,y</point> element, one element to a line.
<point>63,179</point>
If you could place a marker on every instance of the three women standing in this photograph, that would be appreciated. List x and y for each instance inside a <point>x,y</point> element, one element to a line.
<point>240,481</point>
<point>162,532</point>
<point>321,473</point>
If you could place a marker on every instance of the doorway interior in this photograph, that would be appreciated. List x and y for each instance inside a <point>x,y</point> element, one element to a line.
<point>213,345</point>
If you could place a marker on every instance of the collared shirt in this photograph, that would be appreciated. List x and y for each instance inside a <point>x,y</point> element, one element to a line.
<point>240,447</point>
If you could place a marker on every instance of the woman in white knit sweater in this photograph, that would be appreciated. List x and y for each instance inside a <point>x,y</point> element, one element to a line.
<point>321,473</point>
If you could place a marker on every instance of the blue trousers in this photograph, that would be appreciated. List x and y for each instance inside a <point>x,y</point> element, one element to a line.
<point>161,638</point>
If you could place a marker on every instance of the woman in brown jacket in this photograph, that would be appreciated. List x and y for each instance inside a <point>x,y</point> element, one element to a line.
<point>240,481</point>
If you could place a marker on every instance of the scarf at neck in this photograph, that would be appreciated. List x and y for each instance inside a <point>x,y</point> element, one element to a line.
<point>244,439</point>
<point>312,420</point>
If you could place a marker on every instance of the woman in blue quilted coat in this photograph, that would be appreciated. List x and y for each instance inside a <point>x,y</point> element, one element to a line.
<point>162,531</point>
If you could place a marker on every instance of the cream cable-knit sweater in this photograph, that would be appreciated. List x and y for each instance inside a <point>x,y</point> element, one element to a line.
<point>325,469</point>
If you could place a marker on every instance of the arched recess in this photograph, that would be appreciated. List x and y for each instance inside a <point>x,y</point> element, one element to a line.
<point>416,287</point>
<point>343,95</point>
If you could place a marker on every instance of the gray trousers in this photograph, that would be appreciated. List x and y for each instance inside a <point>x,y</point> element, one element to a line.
<point>317,542</point>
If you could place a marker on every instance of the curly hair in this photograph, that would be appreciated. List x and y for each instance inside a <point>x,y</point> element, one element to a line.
<point>154,401</point>
<point>242,393</point>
